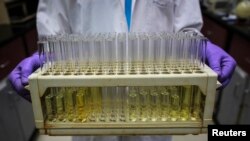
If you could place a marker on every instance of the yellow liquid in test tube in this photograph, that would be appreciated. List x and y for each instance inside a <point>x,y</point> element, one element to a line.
<point>60,107</point>
<point>165,103</point>
<point>175,103</point>
<point>133,104</point>
<point>196,109</point>
<point>95,103</point>
<point>144,103</point>
<point>186,103</point>
<point>69,104</point>
<point>81,105</point>
<point>49,107</point>
<point>154,104</point>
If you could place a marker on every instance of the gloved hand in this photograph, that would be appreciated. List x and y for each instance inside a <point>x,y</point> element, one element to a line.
<point>19,76</point>
<point>221,62</point>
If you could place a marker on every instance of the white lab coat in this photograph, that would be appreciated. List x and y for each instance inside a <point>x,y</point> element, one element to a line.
<point>92,16</point>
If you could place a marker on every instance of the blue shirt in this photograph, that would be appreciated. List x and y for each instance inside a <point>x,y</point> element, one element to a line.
<point>128,7</point>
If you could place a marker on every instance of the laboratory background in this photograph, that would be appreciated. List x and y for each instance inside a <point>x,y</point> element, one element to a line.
<point>226,23</point>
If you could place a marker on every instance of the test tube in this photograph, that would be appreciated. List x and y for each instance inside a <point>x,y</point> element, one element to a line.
<point>93,52</point>
<point>199,44</point>
<point>140,42</point>
<point>165,102</point>
<point>181,52</point>
<point>144,46</point>
<point>154,104</point>
<point>177,62</point>
<point>196,106</point>
<point>186,102</point>
<point>144,103</point>
<point>168,53</point>
<point>43,55</point>
<point>49,105</point>
<point>134,54</point>
<point>81,104</point>
<point>110,54</point>
<point>172,52</point>
<point>203,51</point>
<point>114,105</point>
<point>50,54</point>
<point>59,104</point>
<point>151,52</point>
<point>69,104</point>
<point>95,103</point>
<point>106,105</point>
<point>121,56</point>
<point>63,46</point>
<point>161,53</point>
<point>133,103</point>
<point>89,47</point>
<point>70,55</point>
<point>99,53</point>
<point>121,103</point>
<point>85,52</point>
<point>158,53</point>
<point>76,45</point>
<point>189,56</point>
<point>175,103</point>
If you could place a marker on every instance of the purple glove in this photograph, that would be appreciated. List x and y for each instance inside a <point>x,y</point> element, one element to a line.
<point>19,76</point>
<point>219,61</point>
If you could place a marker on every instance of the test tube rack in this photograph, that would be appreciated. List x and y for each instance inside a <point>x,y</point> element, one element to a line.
<point>205,80</point>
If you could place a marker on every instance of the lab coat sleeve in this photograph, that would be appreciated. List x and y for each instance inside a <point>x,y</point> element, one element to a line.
<point>52,17</point>
<point>187,16</point>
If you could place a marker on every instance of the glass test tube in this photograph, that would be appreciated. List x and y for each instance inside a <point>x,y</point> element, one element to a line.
<point>178,54</point>
<point>89,46</point>
<point>76,45</point>
<point>50,54</point>
<point>154,104</point>
<point>151,52</point>
<point>121,103</point>
<point>95,103</point>
<point>157,56</point>
<point>133,54</point>
<point>161,53</point>
<point>196,107</point>
<point>121,56</point>
<point>186,102</point>
<point>113,98</point>
<point>81,104</point>
<point>165,103</point>
<point>133,102</point>
<point>84,53</point>
<point>144,46</point>
<point>70,55</point>
<point>49,105</point>
<point>42,47</point>
<point>182,53</point>
<point>199,52</point>
<point>188,56</point>
<point>175,103</point>
<point>99,53</point>
<point>93,52</point>
<point>203,54</point>
<point>59,104</point>
<point>168,53</point>
<point>63,45</point>
<point>109,55</point>
<point>69,104</point>
<point>106,111</point>
<point>144,103</point>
